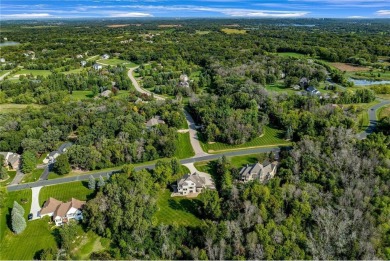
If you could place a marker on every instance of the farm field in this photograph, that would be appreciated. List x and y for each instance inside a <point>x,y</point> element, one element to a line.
<point>271,137</point>
<point>184,148</point>
<point>66,191</point>
<point>176,210</point>
<point>233,31</point>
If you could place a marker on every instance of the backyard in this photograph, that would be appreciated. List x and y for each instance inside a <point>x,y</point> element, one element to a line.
<point>176,210</point>
<point>271,137</point>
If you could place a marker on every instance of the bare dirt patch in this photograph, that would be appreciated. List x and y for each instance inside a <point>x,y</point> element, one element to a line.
<point>349,67</point>
<point>117,25</point>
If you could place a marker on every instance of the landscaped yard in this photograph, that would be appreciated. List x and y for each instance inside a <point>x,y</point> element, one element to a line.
<point>66,191</point>
<point>11,175</point>
<point>279,87</point>
<point>81,95</point>
<point>115,62</point>
<point>33,176</point>
<point>23,197</point>
<point>271,137</point>
<point>184,148</point>
<point>179,210</point>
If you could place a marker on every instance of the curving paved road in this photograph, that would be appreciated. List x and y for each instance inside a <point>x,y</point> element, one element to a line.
<point>372,117</point>
<point>190,121</point>
<point>49,182</point>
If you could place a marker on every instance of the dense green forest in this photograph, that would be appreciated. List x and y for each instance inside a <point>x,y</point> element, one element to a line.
<point>330,198</point>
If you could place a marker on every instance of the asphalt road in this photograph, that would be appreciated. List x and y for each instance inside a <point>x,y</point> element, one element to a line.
<point>41,183</point>
<point>372,118</point>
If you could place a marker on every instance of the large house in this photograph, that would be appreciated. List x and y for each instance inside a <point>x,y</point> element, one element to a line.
<point>156,120</point>
<point>11,159</point>
<point>97,66</point>
<point>261,172</point>
<point>105,56</point>
<point>191,183</point>
<point>62,212</point>
<point>313,91</point>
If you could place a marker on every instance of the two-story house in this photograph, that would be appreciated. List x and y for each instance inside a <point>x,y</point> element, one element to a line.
<point>62,212</point>
<point>261,172</point>
<point>191,183</point>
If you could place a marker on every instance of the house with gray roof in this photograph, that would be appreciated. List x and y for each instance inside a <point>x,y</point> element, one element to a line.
<point>156,120</point>
<point>191,183</point>
<point>261,172</point>
<point>11,159</point>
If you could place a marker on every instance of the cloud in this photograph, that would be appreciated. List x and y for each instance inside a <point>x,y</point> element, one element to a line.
<point>255,13</point>
<point>131,14</point>
<point>26,15</point>
<point>383,12</point>
<point>356,17</point>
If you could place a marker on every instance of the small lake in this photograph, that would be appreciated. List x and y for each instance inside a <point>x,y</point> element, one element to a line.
<point>10,43</point>
<point>367,82</point>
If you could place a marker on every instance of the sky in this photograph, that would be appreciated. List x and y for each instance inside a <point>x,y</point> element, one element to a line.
<point>43,9</point>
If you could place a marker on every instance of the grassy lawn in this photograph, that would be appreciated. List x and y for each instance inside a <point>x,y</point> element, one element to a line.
<point>294,55</point>
<point>37,236</point>
<point>34,73</point>
<point>202,32</point>
<point>116,62</point>
<point>2,72</point>
<point>271,137</point>
<point>23,197</point>
<point>66,191</point>
<point>74,71</point>
<point>33,176</point>
<point>11,175</point>
<point>179,210</point>
<point>233,31</point>
<point>279,87</point>
<point>184,148</point>
<point>12,107</point>
<point>81,95</point>
<point>383,112</point>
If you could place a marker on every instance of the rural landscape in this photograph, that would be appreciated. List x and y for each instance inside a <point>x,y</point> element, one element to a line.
<point>195,139</point>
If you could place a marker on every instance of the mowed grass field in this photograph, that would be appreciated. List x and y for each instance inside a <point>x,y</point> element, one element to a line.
<point>116,61</point>
<point>11,175</point>
<point>176,210</point>
<point>34,73</point>
<point>184,148</point>
<point>81,95</point>
<point>270,137</point>
<point>33,176</point>
<point>66,191</point>
<point>12,107</point>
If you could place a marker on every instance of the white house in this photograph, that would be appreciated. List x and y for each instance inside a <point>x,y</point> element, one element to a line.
<point>97,66</point>
<point>62,212</point>
<point>79,56</point>
<point>261,172</point>
<point>83,63</point>
<point>105,56</point>
<point>50,158</point>
<point>191,183</point>
<point>2,60</point>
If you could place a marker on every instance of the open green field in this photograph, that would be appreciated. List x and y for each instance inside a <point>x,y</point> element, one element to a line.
<point>375,75</point>
<point>383,112</point>
<point>79,70</point>
<point>23,197</point>
<point>11,175</point>
<point>179,210</point>
<point>33,176</point>
<point>81,95</point>
<point>2,72</point>
<point>233,31</point>
<point>202,32</point>
<point>66,191</point>
<point>184,148</point>
<point>294,55</point>
<point>12,107</point>
<point>279,87</point>
<point>34,73</point>
<point>271,137</point>
<point>116,62</point>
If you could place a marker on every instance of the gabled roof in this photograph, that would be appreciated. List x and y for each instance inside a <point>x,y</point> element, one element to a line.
<point>60,208</point>
<point>50,206</point>
<point>154,121</point>
<point>194,177</point>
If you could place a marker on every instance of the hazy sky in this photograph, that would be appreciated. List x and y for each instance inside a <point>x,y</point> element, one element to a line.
<point>24,9</point>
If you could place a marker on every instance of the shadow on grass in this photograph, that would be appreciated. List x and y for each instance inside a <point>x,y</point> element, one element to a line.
<point>187,205</point>
<point>93,193</point>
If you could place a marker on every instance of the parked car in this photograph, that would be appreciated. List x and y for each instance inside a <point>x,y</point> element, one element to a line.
<point>30,216</point>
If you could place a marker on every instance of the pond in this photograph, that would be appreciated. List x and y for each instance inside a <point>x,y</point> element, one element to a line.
<point>9,43</point>
<point>367,82</point>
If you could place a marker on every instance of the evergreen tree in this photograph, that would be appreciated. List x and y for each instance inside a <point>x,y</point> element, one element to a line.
<point>91,183</point>
<point>17,220</point>
<point>101,182</point>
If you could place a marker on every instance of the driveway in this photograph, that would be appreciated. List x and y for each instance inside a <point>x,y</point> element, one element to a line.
<point>372,117</point>
<point>35,207</point>
<point>194,136</point>
<point>209,180</point>
<point>138,88</point>
<point>18,177</point>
